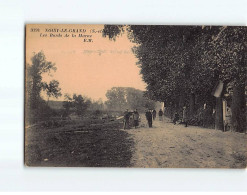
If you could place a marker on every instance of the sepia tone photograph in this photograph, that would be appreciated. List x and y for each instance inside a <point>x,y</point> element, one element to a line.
<point>141,96</point>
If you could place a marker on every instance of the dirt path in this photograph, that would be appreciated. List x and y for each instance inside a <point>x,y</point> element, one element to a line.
<point>168,145</point>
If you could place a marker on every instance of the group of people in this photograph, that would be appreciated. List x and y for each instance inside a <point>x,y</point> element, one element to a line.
<point>128,115</point>
<point>134,117</point>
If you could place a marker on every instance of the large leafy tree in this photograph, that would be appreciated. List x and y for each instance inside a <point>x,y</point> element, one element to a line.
<point>121,98</point>
<point>116,98</point>
<point>166,57</point>
<point>181,64</point>
<point>229,54</point>
<point>136,99</point>
<point>39,65</point>
<point>80,104</point>
<point>36,106</point>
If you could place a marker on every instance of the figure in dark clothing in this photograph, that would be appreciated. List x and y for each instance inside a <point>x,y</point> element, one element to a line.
<point>185,116</point>
<point>149,117</point>
<point>154,114</point>
<point>176,118</point>
<point>126,119</point>
<point>136,118</point>
<point>160,115</point>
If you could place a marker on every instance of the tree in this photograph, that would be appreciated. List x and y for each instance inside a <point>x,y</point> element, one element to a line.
<point>121,98</point>
<point>97,105</point>
<point>228,53</point>
<point>34,77</point>
<point>52,89</point>
<point>116,98</point>
<point>80,104</point>
<point>35,106</point>
<point>136,99</point>
<point>181,63</point>
<point>167,60</point>
<point>67,104</point>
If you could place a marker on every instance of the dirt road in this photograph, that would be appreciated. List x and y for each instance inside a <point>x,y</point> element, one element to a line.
<point>168,145</point>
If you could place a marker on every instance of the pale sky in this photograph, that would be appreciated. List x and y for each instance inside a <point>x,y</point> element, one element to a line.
<point>87,68</point>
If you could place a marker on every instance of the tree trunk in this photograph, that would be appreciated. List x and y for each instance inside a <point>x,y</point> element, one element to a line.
<point>219,114</point>
<point>192,104</point>
<point>181,103</point>
<point>238,109</point>
<point>35,92</point>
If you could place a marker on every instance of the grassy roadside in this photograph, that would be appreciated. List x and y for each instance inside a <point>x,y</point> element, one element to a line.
<point>91,145</point>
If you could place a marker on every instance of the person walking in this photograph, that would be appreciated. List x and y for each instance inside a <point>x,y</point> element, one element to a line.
<point>185,117</point>
<point>136,118</point>
<point>176,118</point>
<point>149,118</point>
<point>126,119</point>
<point>160,115</point>
<point>154,114</point>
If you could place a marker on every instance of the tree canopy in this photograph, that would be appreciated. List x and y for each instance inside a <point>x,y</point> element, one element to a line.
<point>34,102</point>
<point>180,62</point>
<point>121,98</point>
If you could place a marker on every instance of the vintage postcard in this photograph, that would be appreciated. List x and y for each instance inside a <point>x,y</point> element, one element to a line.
<point>143,96</point>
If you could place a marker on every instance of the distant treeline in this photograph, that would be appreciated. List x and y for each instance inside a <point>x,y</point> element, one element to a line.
<point>121,98</point>
<point>37,109</point>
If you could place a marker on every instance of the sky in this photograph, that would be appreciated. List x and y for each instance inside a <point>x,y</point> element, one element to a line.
<point>83,67</point>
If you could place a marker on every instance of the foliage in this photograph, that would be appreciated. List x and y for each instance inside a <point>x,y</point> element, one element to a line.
<point>36,107</point>
<point>179,61</point>
<point>52,89</point>
<point>67,104</point>
<point>96,105</point>
<point>121,98</point>
<point>34,76</point>
<point>77,102</point>
<point>116,98</point>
